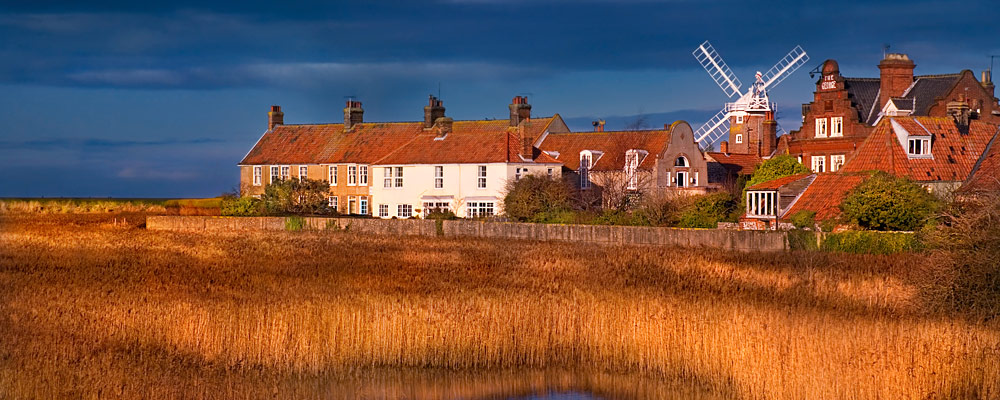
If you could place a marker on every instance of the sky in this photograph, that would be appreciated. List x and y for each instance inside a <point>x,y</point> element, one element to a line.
<point>147,99</point>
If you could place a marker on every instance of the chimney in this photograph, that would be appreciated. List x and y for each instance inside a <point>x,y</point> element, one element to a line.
<point>768,136</point>
<point>896,75</point>
<point>432,111</point>
<point>527,144</point>
<point>353,114</point>
<point>442,127</point>
<point>987,81</point>
<point>598,125</point>
<point>724,146</point>
<point>959,111</point>
<point>275,117</point>
<point>520,110</point>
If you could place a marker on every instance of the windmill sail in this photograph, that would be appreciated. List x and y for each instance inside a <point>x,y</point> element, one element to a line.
<point>714,129</point>
<point>791,62</point>
<point>717,69</point>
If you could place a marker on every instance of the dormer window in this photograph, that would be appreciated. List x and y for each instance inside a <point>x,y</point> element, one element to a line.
<point>632,159</point>
<point>918,147</point>
<point>586,161</point>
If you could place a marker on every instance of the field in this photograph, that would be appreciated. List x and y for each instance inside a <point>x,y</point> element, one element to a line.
<point>209,206</point>
<point>94,306</point>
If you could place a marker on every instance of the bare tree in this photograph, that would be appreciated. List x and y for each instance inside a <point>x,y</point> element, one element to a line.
<point>639,122</point>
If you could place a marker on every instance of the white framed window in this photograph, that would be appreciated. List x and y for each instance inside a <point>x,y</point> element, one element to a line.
<point>762,204</point>
<point>739,119</point>
<point>363,175</point>
<point>332,178</point>
<point>821,127</point>
<point>586,161</point>
<point>383,210</point>
<point>550,172</point>
<point>836,161</point>
<point>363,205</point>
<point>303,172</point>
<point>387,177</point>
<point>681,162</point>
<point>398,177</point>
<point>275,174</point>
<point>517,173</point>
<point>257,175</point>
<point>631,169</point>
<point>440,206</point>
<point>918,146</point>
<point>478,209</point>
<point>352,205</point>
<point>836,126</point>
<point>681,178</point>
<point>286,172</point>
<point>404,211</point>
<point>739,138</point>
<point>481,181</point>
<point>819,163</point>
<point>438,176</point>
<point>332,202</point>
<point>352,175</point>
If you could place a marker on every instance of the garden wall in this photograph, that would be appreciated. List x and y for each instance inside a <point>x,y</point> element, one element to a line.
<point>711,238</point>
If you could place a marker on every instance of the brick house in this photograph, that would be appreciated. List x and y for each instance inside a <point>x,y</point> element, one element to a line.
<point>845,110</point>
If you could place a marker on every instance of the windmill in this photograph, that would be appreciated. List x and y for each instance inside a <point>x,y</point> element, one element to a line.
<point>753,102</point>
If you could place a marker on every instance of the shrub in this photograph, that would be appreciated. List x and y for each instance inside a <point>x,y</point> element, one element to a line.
<point>292,196</point>
<point>241,206</point>
<point>802,240</point>
<point>707,211</point>
<point>294,223</point>
<point>661,209</point>
<point>804,219</point>
<point>868,242</point>
<point>533,198</point>
<point>776,167</point>
<point>884,202</point>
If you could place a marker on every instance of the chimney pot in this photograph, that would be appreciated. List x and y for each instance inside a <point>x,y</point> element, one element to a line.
<point>275,117</point>
<point>599,125</point>
<point>520,110</point>
<point>353,114</point>
<point>433,111</point>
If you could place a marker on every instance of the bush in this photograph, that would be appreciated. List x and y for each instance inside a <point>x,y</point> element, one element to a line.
<point>241,206</point>
<point>776,167</point>
<point>804,219</point>
<point>534,198</point>
<point>707,211</point>
<point>867,242</point>
<point>887,203</point>
<point>292,196</point>
<point>661,209</point>
<point>294,223</point>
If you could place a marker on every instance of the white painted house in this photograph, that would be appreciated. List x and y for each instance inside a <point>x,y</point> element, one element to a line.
<point>462,166</point>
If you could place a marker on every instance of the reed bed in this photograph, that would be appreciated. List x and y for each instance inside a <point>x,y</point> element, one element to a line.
<point>99,307</point>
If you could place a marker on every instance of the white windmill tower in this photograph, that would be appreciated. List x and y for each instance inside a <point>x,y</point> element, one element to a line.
<point>748,119</point>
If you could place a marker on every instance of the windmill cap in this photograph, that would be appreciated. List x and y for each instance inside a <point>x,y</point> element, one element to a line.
<point>831,67</point>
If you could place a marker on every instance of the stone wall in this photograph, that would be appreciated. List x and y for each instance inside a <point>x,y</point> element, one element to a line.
<point>708,238</point>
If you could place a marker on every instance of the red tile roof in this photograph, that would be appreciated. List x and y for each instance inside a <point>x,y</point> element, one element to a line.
<point>986,174</point>
<point>613,144</point>
<point>825,194</point>
<point>470,142</point>
<point>737,163</point>
<point>954,153</point>
<point>777,183</point>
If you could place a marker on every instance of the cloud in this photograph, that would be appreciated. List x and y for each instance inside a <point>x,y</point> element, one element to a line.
<point>97,144</point>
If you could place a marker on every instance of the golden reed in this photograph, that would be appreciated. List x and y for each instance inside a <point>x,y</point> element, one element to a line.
<point>90,308</point>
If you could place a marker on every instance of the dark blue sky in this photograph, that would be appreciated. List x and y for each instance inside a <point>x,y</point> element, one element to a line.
<point>131,99</point>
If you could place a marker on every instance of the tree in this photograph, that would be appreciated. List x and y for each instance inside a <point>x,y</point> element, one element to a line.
<point>777,167</point>
<point>293,196</point>
<point>536,198</point>
<point>884,202</point>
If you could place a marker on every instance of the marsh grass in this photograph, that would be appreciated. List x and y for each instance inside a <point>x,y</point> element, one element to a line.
<point>94,307</point>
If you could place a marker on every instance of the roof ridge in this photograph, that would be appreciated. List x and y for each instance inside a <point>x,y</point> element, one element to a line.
<point>956,75</point>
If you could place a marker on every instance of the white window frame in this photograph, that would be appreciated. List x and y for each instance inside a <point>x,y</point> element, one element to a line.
<point>444,206</point>
<point>363,175</point>
<point>836,126</point>
<point>481,177</point>
<point>387,177</point>
<point>305,175</point>
<point>820,162</point>
<point>517,173</point>
<point>632,169</point>
<point>352,175</point>
<point>404,211</point>
<point>332,172</point>
<point>439,176</point>
<point>286,172</point>
<point>258,177</point>
<point>762,204</point>
<point>837,161</point>
<point>550,172</point>
<point>398,177</point>
<point>739,138</point>
<point>586,162</point>
<point>681,178</point>
<point>352,204</point>
<point>275,173</point>
<point>739,119</point>
<point>820,127</point>
<point>332,202</point>
<point>478,209</point>
<point>383,211</point>
<point>918,147</point>
<point>363,205</point>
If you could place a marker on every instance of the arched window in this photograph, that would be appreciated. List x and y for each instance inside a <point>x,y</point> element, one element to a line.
<point>681,162</point>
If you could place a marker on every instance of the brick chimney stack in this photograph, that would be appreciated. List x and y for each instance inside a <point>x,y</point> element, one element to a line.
<point>433,111</point>
<point>724,147</point>
<point>959,111</point>
<point>275,117</point>
<point>527,144</point>
<point>520,110</point>
<point>599,125</point>
<point>896,74</point>
<point>353,114</point>
<point>987,82</point>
